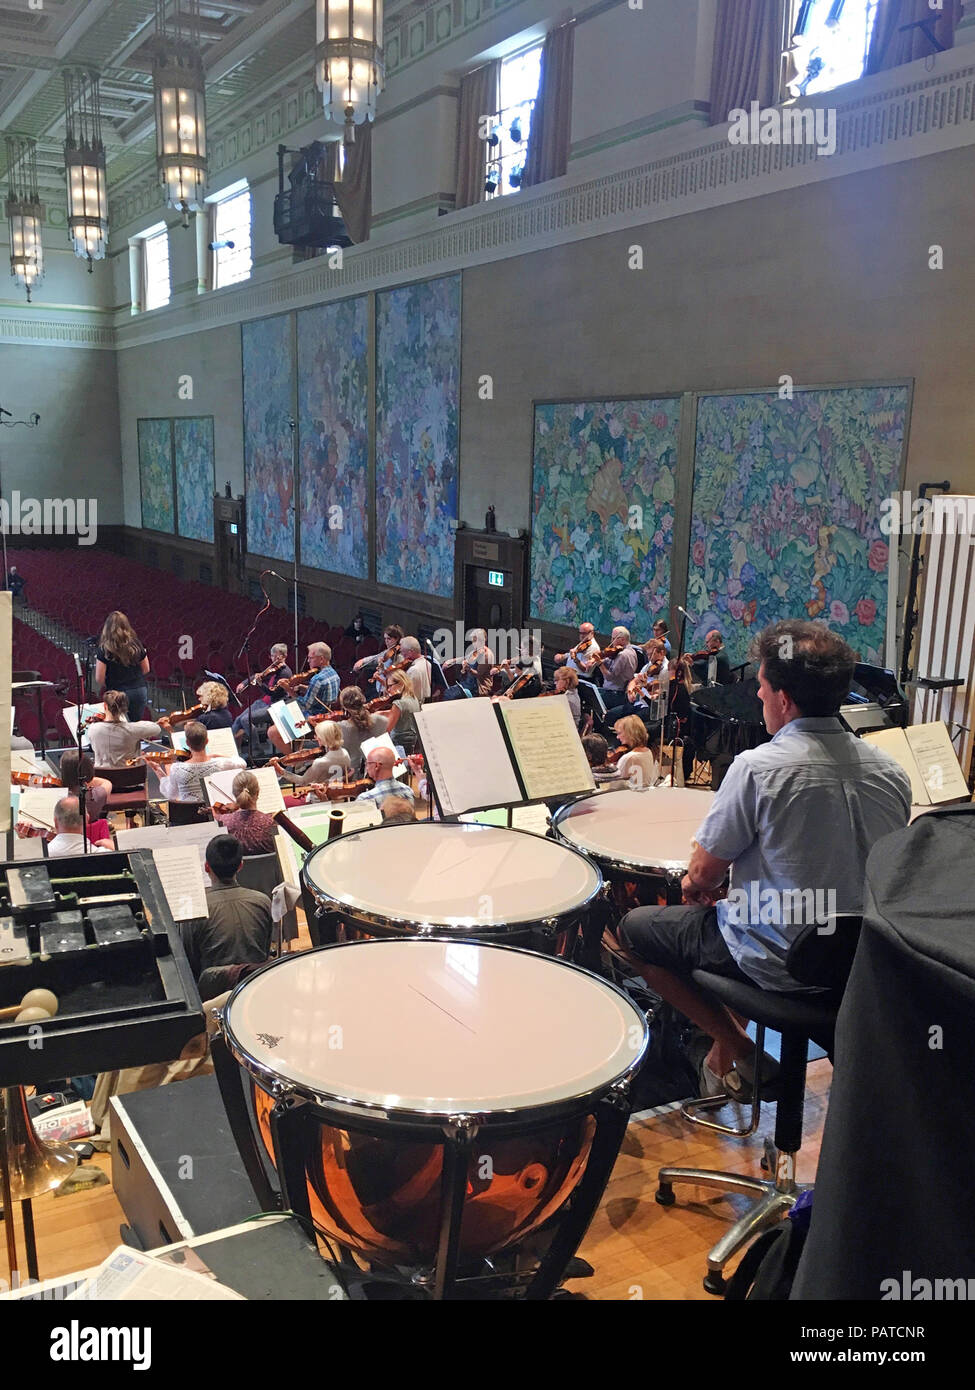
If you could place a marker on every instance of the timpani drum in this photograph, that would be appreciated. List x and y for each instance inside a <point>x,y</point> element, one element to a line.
<point>436,878</point>
<point>636,837</point>
<point>431,1104</point>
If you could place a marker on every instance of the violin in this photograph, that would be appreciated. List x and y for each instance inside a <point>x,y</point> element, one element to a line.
<point>382,677</point>
<point>302,678</point>
<point>262,675</point>
<point>609,652</point>
<point>180,716</point>
<point>33,779</point>
<point>303,755</point>
<point>520,682</point>
<point>614,754</point>
<point>158,758</point>
<point>93,719</point>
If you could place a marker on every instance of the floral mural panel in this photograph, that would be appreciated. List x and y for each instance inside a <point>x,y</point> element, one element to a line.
<point>417,431</point>
<point>193,453</point>
<point>333,424</point>
<point>156,474</point>
<point>269,474</point>
<point>604,479</point>
<point>787,510</point>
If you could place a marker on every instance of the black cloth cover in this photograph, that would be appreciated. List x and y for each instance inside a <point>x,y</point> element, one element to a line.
<point>895,1191</point>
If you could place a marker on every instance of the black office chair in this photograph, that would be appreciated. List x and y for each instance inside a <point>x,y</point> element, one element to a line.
<point>821,956</point>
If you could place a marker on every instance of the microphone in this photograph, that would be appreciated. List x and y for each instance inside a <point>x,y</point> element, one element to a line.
<point>77,664</point>
<point>685,613</point>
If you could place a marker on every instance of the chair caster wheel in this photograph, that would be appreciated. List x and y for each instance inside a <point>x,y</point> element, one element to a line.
<point>715,1283</point>
<point>665,1196</point>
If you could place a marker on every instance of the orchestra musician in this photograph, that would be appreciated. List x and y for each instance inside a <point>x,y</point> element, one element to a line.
<point>476,665</point>
<point>791,817</point>
<point>379,767</point>
<point>636,763</point>
<point>321,690</point>
<point>380,662</point>
<point>331,764</point>
<point>253,828</point>
<point>184,780</point>
<point>711,665</point>
<point>404,707</point>
<point>619,668</point>
<point>596,750</point>
<point>359,724</point>
<point>114,742</point>
<point>418,669</point>
<point>97,792</point>
<point>215,698</point>
<point>660,632</point>
<point>258,714</point>
<point>122,663</point>
<point>583,656</point>
<point>567,684</point>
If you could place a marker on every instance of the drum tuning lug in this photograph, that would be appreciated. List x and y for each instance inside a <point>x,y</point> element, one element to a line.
<point>550,925</point>
<point>619,1096</point>
<point>462,1128</point>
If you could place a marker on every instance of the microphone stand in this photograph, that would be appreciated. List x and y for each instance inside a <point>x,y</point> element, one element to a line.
<point>671,717</point>
<point>82,779</point>
<point>246,654</point>
<point>436,664</point>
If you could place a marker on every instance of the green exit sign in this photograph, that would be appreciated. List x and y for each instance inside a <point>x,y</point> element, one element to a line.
<point>496,579</point>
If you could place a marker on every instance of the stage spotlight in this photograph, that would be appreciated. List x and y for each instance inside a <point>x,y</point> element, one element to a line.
<point>515,131</point>
<point>491,184</point>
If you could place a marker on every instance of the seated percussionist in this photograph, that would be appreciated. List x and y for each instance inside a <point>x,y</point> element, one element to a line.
<point>796,816</point>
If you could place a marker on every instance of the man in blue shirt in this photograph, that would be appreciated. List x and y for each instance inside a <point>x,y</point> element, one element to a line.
<point>379,766</point>
<point>323,689</point>
<point>793,821</point>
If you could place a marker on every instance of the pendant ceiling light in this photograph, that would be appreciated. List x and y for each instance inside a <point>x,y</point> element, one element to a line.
<point>349,64</point>
<point>25,212</point>
<point>179,92</point>
<point>84,165</point>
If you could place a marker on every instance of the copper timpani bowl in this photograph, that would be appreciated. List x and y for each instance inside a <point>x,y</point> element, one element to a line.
<point>392,1045</point>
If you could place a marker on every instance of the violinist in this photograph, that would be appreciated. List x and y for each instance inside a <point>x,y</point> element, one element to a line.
<point>567,684</point>
<point>418,669</point>
<point>333,762</point>
<point>184,780</point>
<point>657,664</point>
<point>596,750</point>
<point>214,698</point>
<point>711,665</point>
<point>380,662</point>
<point>113,739</point>
<point>618,668</point>
<point>660,631</point>
<point>379,767</point>
<point>359,724</point>
<point>257,713</point>
<point>635,762</point>
<point>321,692</point>
<point>404,707</point>
<point>583,656</point>
<point>97,792</point>
<point>476,672</point>
<point>255,830</point>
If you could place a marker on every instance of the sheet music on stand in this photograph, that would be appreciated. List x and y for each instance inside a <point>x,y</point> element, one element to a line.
<point>481,754</point>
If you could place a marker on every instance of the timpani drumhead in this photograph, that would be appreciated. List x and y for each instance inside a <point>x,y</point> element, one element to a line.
<point>648,830</point>
<point>433,1028</point>
<point>447,875</point>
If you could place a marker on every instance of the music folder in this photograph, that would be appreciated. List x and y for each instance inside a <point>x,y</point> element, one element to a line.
<point>926,754</point>
<point>483,753</point>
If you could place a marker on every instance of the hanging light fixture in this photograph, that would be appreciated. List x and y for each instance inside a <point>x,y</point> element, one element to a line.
<point>179,93</point>
<point>25,212</point>
<point>349,66</point>
<point>84,165</point>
